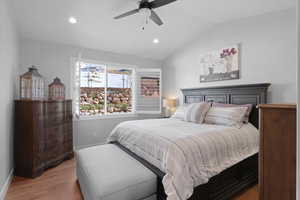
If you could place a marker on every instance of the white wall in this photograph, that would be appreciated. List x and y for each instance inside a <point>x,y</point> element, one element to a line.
<point>8,66</point>
<point>55,60</point>
<point>94,132</point>
<point>268,46</point>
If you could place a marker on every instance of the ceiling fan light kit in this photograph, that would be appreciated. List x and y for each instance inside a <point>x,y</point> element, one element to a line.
<point>146,8</point>
<point>145,13</point>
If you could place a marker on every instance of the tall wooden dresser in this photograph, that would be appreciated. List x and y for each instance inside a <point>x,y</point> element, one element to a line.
<point>43,135</point>
<point>277,168</point>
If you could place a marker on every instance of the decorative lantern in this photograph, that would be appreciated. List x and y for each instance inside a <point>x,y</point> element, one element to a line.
<point>32,85</point>
<point>57,90</point>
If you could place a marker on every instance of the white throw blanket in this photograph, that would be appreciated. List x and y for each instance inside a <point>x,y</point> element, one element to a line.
<point>189,153</point>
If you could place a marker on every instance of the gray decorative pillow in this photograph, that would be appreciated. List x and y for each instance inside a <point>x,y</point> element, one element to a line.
<point>227,116</point>
<point>196,112</point>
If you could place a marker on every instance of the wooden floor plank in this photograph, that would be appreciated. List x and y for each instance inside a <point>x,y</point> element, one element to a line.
<point>59,183</point>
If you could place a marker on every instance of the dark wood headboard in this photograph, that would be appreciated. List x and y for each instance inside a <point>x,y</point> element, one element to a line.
<point>236,94</point>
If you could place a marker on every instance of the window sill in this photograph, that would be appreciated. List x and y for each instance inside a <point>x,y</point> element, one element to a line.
<point>103,117</point>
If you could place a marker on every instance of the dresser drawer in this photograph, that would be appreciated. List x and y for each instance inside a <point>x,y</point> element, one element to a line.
<point>54,119</point>
<point>68,146</point>
<point>54,153</point>
<point>68,116</point>
<point>68,127</point>
<point>54,134</point>
<point>68,107</point>
<point>54,107</point>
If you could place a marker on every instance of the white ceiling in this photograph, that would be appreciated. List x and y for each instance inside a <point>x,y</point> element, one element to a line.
<point>48,20</point>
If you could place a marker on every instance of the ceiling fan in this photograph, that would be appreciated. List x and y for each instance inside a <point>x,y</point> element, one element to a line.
<point>147,7</point>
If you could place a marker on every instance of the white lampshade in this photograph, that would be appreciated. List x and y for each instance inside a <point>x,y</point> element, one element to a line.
<point>169,103</point>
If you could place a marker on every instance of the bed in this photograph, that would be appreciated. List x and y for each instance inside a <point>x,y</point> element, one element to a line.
<point>217,182</point>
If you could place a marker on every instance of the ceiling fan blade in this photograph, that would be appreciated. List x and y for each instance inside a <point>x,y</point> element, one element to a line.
<point>159,3</point>
<point>156,18</point>
<point>143,1</point>
<point>132,12</point>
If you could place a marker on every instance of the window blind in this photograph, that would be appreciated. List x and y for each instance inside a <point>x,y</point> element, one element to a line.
<point>148,91</point>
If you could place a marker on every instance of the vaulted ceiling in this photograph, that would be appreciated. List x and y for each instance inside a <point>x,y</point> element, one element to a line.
<point>184,20</point>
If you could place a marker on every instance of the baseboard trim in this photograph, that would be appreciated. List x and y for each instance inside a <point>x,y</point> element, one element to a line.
<point>6,185</point>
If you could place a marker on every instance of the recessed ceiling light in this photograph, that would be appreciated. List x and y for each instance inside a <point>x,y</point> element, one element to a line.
<point>72,20</point>
<point>155,41</point>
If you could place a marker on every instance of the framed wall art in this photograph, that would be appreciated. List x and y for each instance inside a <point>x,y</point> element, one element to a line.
<point>221,64</point>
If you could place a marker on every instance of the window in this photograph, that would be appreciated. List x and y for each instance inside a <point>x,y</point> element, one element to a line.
<point>107,89</point>
<point>119,90</point>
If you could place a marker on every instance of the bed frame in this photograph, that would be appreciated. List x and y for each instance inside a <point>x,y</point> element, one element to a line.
<point>238,177</point>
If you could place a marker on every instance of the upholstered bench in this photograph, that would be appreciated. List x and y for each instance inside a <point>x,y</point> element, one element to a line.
<point>106,172</point>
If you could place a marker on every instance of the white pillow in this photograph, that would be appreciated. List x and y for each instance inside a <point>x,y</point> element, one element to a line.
<point>227,116</point>
<point>196,112</point>
<point>179,114</point>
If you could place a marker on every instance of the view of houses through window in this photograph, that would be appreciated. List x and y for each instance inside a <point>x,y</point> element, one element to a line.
<point>105,90</point>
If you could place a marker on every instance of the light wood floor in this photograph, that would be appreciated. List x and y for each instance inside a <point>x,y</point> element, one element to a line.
<point>59,183</point>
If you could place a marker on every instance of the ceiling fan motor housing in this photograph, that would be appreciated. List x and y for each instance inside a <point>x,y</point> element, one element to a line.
<point>146,8</point>
<point>145,4</point>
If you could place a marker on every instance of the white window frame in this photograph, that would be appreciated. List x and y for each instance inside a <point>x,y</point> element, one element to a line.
<point>77,63</point>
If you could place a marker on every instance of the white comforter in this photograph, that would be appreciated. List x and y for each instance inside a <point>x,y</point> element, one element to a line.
<point>189,153</point>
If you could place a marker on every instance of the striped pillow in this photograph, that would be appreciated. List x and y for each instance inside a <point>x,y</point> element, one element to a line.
<point>247,115</point>
<point>196,112</point>
<point>227,116</point>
